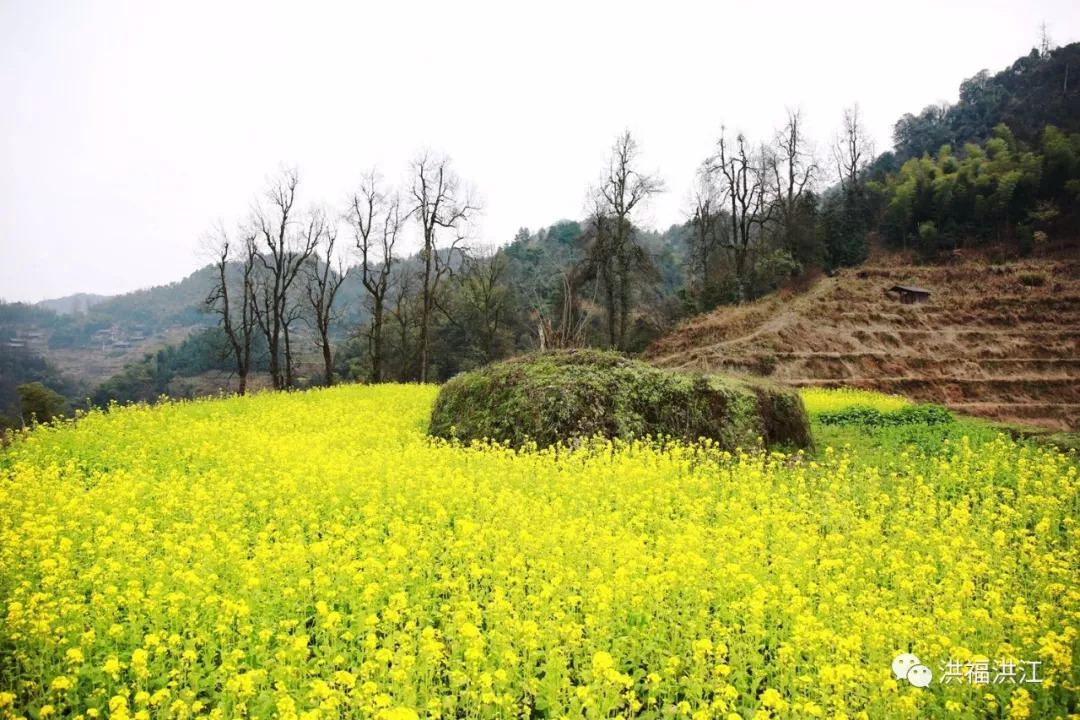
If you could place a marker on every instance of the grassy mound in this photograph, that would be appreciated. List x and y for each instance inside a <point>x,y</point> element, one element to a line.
<point>558,396</point>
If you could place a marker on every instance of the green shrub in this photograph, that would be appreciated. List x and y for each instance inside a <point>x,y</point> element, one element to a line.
<point>559,396</point>
<point>928,233</point>
<point>765,364</point>
<point>868,417</point>
<point>40,404</point>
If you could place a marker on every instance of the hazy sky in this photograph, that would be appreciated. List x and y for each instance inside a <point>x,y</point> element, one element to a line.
<point>128,127</point>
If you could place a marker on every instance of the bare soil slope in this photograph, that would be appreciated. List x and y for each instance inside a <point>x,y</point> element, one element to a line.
<point>1000,341</point>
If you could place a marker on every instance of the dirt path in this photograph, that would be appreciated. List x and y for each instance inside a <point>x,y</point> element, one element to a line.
<point>788,311</point>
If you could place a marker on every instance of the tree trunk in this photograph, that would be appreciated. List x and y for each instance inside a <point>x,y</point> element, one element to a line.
<point>288,360</point>
<point>403,372</point>
<point>624,298</point>
<point>425,315</point>
<point>704,282</point>
<point>423,343</point>
<point>740,271</point>
<point>275,365</point>
<point>376,341</point>
<point>328,360</point>
<point>609,293</point>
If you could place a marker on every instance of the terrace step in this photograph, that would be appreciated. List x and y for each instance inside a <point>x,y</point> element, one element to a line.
<point>993,338</point>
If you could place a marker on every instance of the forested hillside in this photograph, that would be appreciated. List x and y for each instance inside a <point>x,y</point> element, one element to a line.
<point>1039,89</point>
<point>1003,191</point>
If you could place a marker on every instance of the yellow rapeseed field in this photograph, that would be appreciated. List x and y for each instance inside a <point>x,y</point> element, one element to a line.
<point>819,400</point>
<point>314,555</point>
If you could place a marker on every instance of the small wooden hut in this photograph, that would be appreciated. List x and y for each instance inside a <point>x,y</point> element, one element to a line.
<point>909,294</point>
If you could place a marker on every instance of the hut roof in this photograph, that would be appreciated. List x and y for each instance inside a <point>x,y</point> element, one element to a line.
<point>909,288</point>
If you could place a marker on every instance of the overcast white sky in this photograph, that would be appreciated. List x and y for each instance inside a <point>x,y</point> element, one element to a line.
<point>126,128</point>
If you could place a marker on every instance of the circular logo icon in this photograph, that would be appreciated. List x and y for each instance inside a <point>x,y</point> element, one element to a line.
<point>920,676</point>
<point>902,663</point>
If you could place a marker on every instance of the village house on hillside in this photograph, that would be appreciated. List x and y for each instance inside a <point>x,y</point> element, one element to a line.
<point>30,339</point>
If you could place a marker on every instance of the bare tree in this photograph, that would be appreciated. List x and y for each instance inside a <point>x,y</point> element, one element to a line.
<point>743,183</point>
<point>403,311</point>
<point>1045,43</point>
<point>233,301</point>
<point>621,192</point>
<point>262,303</point>
<point>598,263</point>
<point>294,311</point>
<point>285,251</point>
<point>794,170</point>
<point>705,224</point>
<point>377,220</point>
<point>442,204</point>
<point>323,282</point>
<point>852,150</point>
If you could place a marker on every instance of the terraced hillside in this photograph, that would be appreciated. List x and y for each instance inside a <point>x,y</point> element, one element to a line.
<point>1000,341</point>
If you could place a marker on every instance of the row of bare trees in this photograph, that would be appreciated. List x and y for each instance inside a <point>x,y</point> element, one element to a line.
<point>285,264</point>
<point>748,196</point>
<point>257,269</point>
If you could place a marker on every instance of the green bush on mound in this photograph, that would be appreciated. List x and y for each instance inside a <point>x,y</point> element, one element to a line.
<point>558,396</point>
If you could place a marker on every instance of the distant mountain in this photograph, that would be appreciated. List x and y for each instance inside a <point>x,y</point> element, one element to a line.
<point>148,310</point>
<point>156,308</point>
<point>85,320</point>
<point>72,343</point>
<point>77,304</point>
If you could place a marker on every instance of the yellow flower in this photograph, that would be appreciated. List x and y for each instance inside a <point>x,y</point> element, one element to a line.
<point>322,569</point>
<point>602,661</point>
<point>772,700</point>
<point>398,713</point>
<point>112,667</point>
<point>1020,704</point>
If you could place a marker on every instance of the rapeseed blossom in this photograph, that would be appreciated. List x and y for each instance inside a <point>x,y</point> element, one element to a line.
<point>818,400</point>
<point>314,555</point>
